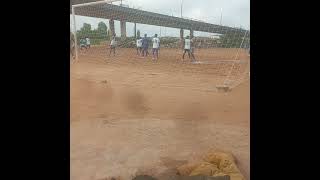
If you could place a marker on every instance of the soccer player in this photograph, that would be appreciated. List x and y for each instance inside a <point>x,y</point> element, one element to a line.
<point>155,46</point>
<point>88,42</point>
<point>83,43</point>
<point>139,46</point>
<point>145,46</point>
<point>113,46</point>
<point>187,48</point>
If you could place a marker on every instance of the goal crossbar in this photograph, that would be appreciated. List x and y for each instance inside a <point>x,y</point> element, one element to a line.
<point>94,3</point>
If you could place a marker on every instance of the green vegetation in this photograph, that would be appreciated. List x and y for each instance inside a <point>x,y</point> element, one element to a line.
<point>102,34</point>
<point>96,36</point>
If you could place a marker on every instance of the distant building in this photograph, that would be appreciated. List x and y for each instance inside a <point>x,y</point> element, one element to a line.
<point>215,36</point>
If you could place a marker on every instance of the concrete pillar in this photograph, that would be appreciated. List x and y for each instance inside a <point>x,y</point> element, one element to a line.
<point>191,33</point>
<point>123,29</point>
<point>181,39</point>
<point>111,26</point>
<point>135,30</point>
<point>181,33</point>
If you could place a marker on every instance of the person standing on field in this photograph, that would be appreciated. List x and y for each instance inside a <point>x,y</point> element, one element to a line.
<point>88,42</point>
<point>187,48</point>
<point>155,47</point>
<point>113,46</point>
<point>145,46</point>
<point>139,46</point>
<point>83,43</point>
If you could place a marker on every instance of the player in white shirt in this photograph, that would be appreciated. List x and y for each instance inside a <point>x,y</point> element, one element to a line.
<point>139,46</point>
<point>113,45</point>
<point>155,46</point>
<point>88,42</point>
<point>188,48</point>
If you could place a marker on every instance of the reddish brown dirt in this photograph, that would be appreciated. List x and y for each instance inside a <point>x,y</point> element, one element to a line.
<point>130,114</point>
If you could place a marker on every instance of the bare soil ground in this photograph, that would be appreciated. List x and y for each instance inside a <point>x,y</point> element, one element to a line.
<point>131,115</point>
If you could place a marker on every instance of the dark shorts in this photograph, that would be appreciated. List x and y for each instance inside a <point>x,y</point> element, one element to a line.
<point>155,50</point>
<point>187,50</point>
<point>112,47</point>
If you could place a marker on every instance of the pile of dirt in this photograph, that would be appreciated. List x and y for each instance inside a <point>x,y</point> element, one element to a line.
<point>214,164</point>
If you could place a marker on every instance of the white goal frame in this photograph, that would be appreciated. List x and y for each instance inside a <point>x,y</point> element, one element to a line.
<point>74,20</point>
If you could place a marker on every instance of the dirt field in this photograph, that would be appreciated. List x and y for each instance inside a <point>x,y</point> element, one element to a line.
<point>130,114</point>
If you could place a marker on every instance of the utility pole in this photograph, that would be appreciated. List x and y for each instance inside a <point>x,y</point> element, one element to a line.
<point>221,17</point>
<point>181,8</point>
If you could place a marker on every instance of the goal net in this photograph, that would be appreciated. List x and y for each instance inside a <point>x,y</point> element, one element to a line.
<point>104,32</point>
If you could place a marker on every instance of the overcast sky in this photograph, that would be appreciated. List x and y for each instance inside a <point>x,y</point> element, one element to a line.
<point>235,13</point>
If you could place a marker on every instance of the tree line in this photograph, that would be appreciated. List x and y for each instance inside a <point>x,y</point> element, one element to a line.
<point>102,33</point>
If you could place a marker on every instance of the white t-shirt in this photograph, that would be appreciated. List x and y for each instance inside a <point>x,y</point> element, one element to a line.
<point>187,44</point>
<point>139,42</point>
<point>155,42</point>
<point>88,41</point>
<point>113,42</point>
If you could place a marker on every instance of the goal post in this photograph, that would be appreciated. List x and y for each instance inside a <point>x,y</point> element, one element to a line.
<point>75,34</point>
<point>236,57</point>
<point>222,50</point>
<point>74,19</point>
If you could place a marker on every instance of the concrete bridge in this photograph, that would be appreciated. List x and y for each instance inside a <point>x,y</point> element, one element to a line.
<point>125,14</point>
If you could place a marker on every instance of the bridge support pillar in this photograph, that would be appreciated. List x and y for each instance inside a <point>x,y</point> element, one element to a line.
<point>181,33</point>
<point>191,33</point>
<point>123,29</point>
<point>111,26</point>
<point>181,39</point>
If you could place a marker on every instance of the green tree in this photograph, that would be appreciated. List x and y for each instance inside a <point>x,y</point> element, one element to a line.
<point>86,27</point>
<point>102,28</point>
<point>85,31</point>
